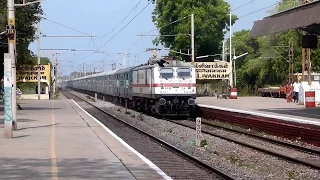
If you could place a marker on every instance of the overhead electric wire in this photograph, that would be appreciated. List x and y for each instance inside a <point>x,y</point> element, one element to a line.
<point>134,44</point>
<point>125,25</point>
<point>66,26</point>
<point>243,5</point>
<point>120,29</point>
<point>258,10</point>
<point>167,24</point>
<point>121,20</point>
<point>157,29</point>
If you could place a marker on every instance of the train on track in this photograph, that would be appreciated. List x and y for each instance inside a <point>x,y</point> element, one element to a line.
<point>165,87</point>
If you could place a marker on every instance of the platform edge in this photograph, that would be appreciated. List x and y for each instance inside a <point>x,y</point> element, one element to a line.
<point>260,114</point>
<point>147,161</point>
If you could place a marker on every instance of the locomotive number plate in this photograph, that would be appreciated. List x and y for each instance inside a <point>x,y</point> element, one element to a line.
<point>175,85</point>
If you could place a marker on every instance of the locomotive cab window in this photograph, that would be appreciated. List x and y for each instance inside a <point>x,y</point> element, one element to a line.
<point>166,73</point>
<point>184,73</point>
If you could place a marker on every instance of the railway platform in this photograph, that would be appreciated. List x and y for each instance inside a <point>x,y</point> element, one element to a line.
<point>264,106</point>
<point>56,139</point>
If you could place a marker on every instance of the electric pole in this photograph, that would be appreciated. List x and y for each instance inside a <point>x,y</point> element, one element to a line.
<point>234,67</point>
<point>55,64</point>
<point>7,96</point>
<point>223,51</point>
<point>103,65</point>
<point>124,58</point>
<point>11,50</point>
<point>192,39</point>
<point>83,70</point>
<point>39,82</point>
<point>230,50</point>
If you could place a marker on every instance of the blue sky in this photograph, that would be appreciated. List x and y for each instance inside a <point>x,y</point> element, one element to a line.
<point>100,17</point>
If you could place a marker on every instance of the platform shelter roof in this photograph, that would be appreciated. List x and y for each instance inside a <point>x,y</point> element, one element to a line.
<point>305,17</point>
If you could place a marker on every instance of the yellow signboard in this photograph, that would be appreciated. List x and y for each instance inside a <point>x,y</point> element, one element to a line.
<point>212,70</point>
<point>29,73</point>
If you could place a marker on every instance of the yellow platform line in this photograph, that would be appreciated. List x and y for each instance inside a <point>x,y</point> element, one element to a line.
<point>54,168</point>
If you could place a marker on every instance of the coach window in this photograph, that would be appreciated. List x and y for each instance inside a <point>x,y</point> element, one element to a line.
<point>184,73</point>
<point>166,73</point>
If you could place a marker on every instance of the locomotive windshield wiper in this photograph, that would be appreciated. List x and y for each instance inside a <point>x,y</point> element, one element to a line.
<point>182,77</point>
<point>164,77</point>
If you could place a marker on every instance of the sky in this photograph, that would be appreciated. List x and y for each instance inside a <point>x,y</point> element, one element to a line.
<point>99,18</point>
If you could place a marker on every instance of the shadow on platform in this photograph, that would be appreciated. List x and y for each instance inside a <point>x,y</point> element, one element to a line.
<point>34,127</point>
<point>80,168</point>
<point>30,108</point>
<point>19,120</point>
<point>22,136</point>
<point>313,113</point>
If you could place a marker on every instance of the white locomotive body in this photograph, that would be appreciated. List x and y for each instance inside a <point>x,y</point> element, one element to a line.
<point>165,90</point>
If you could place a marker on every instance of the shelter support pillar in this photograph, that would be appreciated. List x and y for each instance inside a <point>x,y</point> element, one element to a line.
<point>291,62</point>
<point>306,64</point>
<point>306,55</point>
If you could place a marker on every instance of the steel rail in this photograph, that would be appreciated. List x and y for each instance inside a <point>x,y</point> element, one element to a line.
<point>213,169</point>
<point>274,153</point>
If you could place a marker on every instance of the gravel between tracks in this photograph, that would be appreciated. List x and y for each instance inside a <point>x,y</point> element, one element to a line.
<point>239,161</point>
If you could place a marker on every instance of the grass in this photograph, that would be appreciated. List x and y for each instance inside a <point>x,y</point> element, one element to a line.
<point>203,143</point>
<point>91,98</point>
<point>240,163</point>
<point>291,175</point>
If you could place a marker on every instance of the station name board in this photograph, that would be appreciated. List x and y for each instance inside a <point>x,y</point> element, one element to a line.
<point>212,70</point>
<point>29,73</point>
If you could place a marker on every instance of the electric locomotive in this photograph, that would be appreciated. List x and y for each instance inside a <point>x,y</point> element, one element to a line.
<point>166,87</point>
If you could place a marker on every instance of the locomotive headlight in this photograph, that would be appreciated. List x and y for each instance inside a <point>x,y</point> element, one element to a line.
<point>189,86</point>
<point>162,101</point>
<point>191,101</point>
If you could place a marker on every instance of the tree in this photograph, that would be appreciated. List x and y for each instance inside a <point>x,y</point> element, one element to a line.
<point>26,17</point>
<point>45,61</point>
<point>285,5</point>
<point>211,18</point>
<point>267,62</point>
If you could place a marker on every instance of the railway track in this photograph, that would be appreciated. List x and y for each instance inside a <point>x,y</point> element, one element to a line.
<point>267,139</point>
<point>291,152</point>
<point>173,161</point>
<point>293,130</point>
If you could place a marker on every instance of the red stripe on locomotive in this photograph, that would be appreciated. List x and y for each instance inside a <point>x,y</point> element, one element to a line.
<point>164,85</point>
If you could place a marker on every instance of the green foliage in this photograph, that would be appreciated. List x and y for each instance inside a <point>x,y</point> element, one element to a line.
<point>203,143</point>
<point>25,17</point>
<point>27,88</point>
<point>267,62</point>
<point>45,61</point>
<point>285,5</point>
<point>211,18</point>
